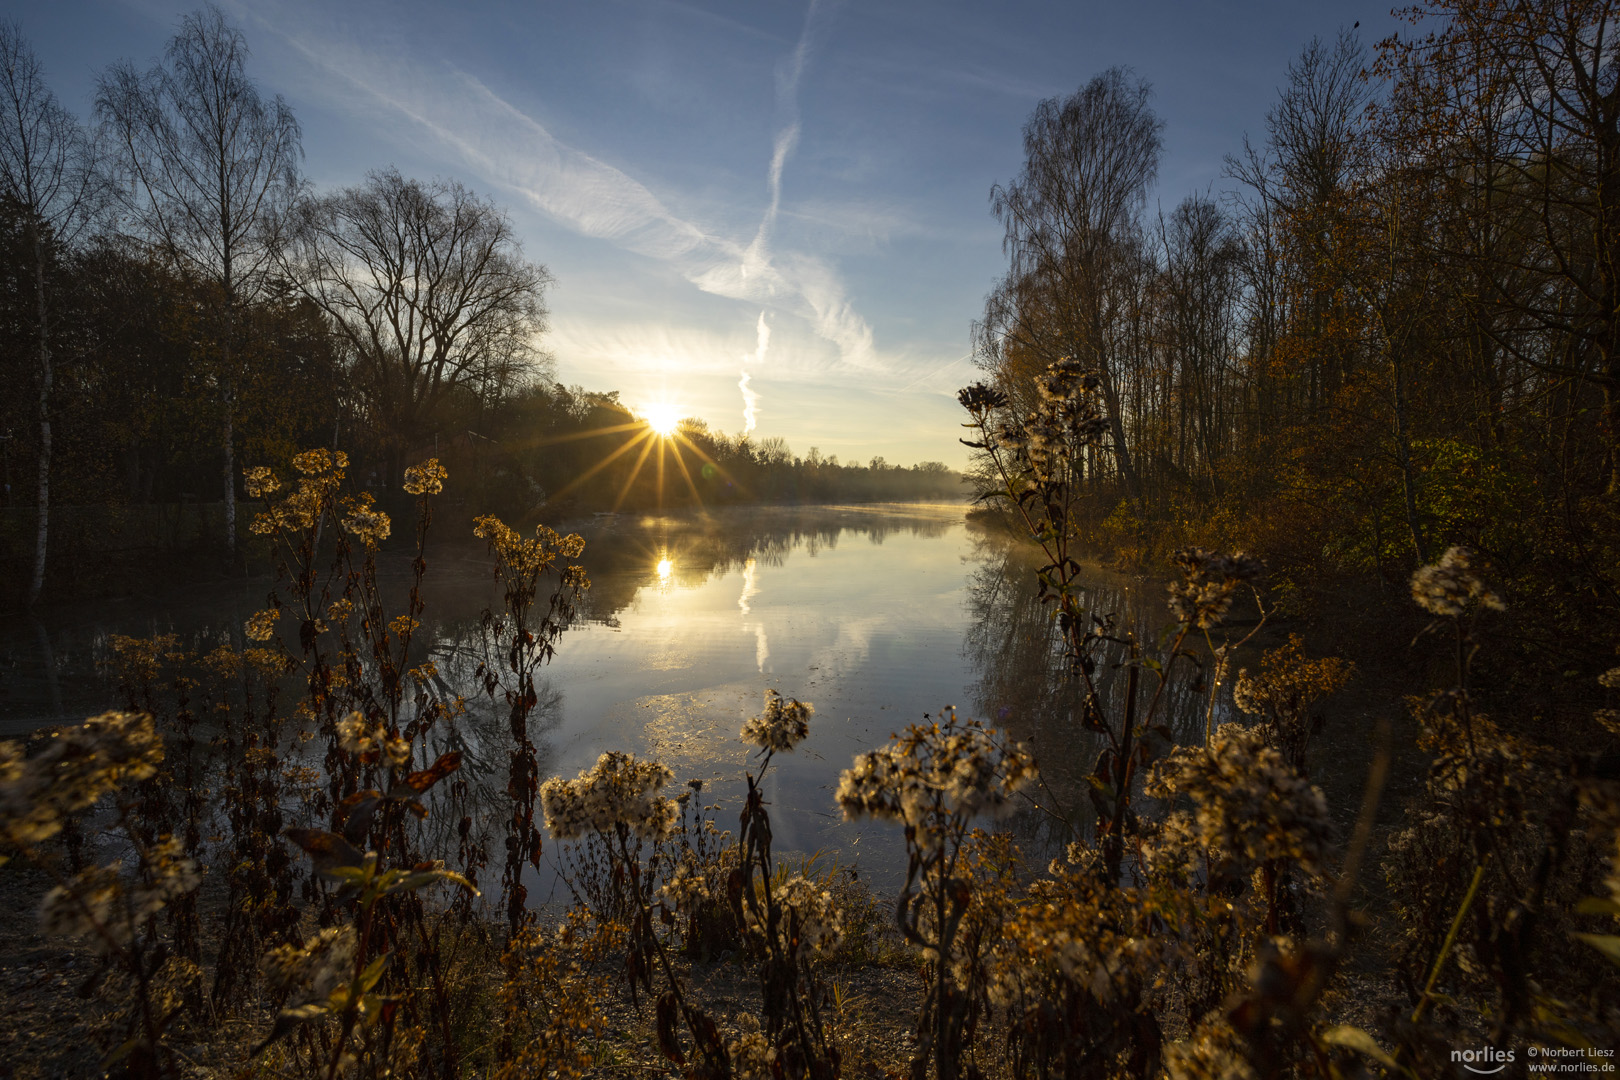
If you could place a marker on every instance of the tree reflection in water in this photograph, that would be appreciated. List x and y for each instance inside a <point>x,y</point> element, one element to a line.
<point>896,608</point>
<point>1026,688</point>
<point>686,549</point>
<point>631,557</point>
<point>471,812</point>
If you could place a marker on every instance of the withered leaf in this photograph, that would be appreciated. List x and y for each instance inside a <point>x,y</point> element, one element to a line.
<point>418,782</point>
<point>327,850</point>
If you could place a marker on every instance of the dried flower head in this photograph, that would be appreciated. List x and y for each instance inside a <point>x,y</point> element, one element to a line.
<point>1281,693</point>
<point>1079,935</point>
<point>138,660</point>
<point>88,906</point>
<point>169,874</point>
<point>322,476</point>
<point>1212,1052</point>
<point>980,398</point>
<point>1204,594</point>
<point>101,905</point>
<point>527,558</point>
<point>1250,805</point>
<point>75,768</point>
<point>311,971</point>
<point>321,461</point>
<point>783,725</point>
<point>687,886</point>
<point>426,478</point>
<point>808,920</point>
<point>372,742</point>
<point>1066,380</point>
<point>617,791</point>
<point>1451,586</point>
<point>260,482</point>
<point>1068,417</point>
<point>261,625</point>
<point>752,1055</point>
<point>364,521</point>
<point>936,772</point>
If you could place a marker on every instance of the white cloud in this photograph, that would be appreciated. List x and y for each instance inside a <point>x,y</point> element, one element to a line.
<point>506,147</point>
<point>674,347</point>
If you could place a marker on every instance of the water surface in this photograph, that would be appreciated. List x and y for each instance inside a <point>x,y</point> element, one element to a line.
<point>877,615</point>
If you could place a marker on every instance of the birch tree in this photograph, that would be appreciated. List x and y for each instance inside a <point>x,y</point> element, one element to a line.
<point>212,169</point>
<point>48,173</point>
<point>1072,214</point>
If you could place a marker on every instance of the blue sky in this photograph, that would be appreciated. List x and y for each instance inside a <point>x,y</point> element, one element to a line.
<point>798,192</point>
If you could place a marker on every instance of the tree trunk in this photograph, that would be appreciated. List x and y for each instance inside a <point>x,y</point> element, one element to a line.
<point>1122,453</point>
<point>227,397</point>
<point>228,401</point>
<point>1403,450</point>
<point>42,534</point>
<point>47,656</point>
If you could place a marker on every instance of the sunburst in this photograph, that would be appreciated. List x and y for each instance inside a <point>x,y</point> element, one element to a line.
<point>655,438</point>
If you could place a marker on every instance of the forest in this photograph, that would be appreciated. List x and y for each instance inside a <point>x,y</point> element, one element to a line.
<point>177,303</point>
<point>1351,809</point>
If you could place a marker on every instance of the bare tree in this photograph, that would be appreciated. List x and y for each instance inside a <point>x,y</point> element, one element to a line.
<point>212,168</point>
<point>1267,300</point>
<point>428,288</point>
<point>1320,150</point>
<point>1315,127</point>
<point>1199,290</point>
<point>48,173</point>
<point>1536,118</point>
<point>1088,160</point>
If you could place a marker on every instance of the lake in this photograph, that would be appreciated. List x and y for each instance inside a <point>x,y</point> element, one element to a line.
<point>875,614</point>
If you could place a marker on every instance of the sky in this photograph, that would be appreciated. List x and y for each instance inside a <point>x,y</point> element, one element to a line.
<point>771,216</point>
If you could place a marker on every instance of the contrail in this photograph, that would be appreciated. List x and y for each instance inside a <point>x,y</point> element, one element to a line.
<point>757,257</point>
<point>751,399</point>
<point>924,378</point>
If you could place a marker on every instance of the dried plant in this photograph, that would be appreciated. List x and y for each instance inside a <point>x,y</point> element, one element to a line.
<point>1197,933</point>
<point>517,643</point>
<point>1037,460</point>
<point>112,906</point>
<point>789,920</point>
<point>935,779</point>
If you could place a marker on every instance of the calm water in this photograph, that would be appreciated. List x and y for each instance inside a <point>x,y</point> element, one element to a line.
<point>875,614</point>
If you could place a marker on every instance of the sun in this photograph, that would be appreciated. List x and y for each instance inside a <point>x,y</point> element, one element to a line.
<point>653,438</point>
<point>663,418</point>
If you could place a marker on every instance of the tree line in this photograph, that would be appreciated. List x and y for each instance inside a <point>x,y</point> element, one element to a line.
<point>1399,331</point>
<point>176,302</point>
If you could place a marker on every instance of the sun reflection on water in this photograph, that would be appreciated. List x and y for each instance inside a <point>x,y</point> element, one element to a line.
<point>666,568</point>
